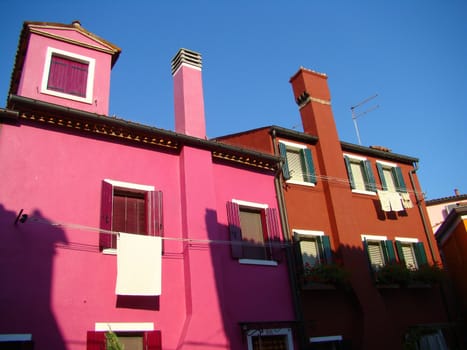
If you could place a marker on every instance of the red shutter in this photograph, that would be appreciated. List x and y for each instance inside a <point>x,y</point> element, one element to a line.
<point>274,233</point>
<point>68,76</point>
<point>233,217</point>
<point>105,239</point>
<point>154,213</point>
<point>95,341</point>
<point>57,74</point>
<point>152,340</point>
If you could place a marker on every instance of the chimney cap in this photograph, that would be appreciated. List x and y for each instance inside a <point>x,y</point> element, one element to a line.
<point>188,57</point>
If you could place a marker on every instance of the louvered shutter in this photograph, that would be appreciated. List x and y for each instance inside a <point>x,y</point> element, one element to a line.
<point>233,217</point>
<point>285,165</point>
<point>420,254</point>
<point>399,179</point>
<point>309,252</point>
<point>389,254</point>
<point>326,249</point>
<point>95,341</point>
<point>349,172</point>
<point>152,340</point>
<point>274,233</point>
<point>105,239</point>
<point>154,213</point>
<point>310,168</point>
<point>370,185</point>
<point>381,176</point>
<point>375,254</point>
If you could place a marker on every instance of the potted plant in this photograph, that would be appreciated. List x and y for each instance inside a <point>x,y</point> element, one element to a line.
<point>326,274</point>
<point>392,274</point>
<point>112,342</point>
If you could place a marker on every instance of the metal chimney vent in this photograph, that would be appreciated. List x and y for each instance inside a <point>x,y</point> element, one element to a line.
<point>185,56</point>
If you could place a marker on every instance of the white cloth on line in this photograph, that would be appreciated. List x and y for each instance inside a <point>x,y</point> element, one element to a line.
<point>406,201</point>
<point>139,265</point>
<point>390,201</point>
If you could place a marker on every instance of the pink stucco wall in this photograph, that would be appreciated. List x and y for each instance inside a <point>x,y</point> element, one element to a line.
<point>57,284</point>
<point>31,79</point>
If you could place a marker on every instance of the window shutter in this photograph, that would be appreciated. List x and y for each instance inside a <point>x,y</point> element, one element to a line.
<point>310,168</point>
<point>375,254</point>
<point>152,340</point>
<point>154,213</point>
<point>274,233</point>
<point>309,251</point>
<point>400,252</point>
<point>381,176</point>
<point>105,239</point>
<point>420,254</point>
<point>399,179</point>
<point>349,172</point>
<point>285,165</point>
<point>95,341</point>
<point>326,248</point>
<point>389,254</point>
<point>233,217</point>
<point>371,183</point>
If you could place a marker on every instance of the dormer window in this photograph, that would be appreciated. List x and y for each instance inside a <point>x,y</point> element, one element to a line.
<point>68,75</point>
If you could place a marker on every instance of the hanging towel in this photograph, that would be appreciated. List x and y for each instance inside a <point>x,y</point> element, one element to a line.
<point>406,201</point>
<point>384,200</point>
<point>139,262</point>
<point>395,201</point>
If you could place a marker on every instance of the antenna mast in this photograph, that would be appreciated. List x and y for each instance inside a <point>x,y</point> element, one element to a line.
<point>355,116</point>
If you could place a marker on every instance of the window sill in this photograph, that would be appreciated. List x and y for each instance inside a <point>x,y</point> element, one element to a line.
<point>302,183</point>
<point>109,251</point>
<point>257,262</point>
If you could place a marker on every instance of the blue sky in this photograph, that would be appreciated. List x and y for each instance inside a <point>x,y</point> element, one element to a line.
<point>413,54</point>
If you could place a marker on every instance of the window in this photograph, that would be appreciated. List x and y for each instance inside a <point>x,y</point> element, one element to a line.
<point>254,231</point>
<point>380,251</point>
<point>391,177</point>
<point>333,342</point>
<point>411,252</point>
<point>298,167</point>
<point>270,339</point>
<point>21,341</point>
<point>129,208</point>
<point>134,336</point>
<point>68,75</point>
<point>314,247</point>
<point>360,174</point>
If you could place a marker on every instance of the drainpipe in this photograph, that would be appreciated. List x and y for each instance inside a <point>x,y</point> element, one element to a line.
<point>302,341</point>
<point>428,232</point>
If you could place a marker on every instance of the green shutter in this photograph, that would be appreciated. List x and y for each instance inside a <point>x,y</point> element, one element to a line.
<point>400,253</point>
<point>326,249</point>
<point>420,254</point>
<point>310,168</point>
<point>389,254</point>
<point>370,185</point>
<point>381,176</point>
<point>349,172</point>
<point>285,165</point>
<point>399,179</point>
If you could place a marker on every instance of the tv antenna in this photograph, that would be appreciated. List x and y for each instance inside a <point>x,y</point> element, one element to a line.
<point>361,114</point>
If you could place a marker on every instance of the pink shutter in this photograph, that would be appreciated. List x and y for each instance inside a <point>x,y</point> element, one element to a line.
<point>152,340</point>
<point>57,74</point>
<point>233,217</point>
<point>95,341</point>
<point>77,78</point>
<point>274,233</point>
<point>105,239</point>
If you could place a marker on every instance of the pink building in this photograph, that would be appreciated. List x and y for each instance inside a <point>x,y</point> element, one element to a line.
<point>169,240</point>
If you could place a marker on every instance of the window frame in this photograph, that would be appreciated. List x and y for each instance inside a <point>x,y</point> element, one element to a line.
<point>153,206</point>
<point>151,337</point>
<point>331,339</point>
<point>306,161</point>
<point>369,182</point>
<point>418,251</point>
<point>271,231</point>
<point>396,173</point>
<point>322,241</point>
<point>388,254</point>
<point>91,62</point>
<point>270,332</point>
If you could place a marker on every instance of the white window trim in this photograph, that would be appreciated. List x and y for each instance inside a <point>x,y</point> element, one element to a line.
<point>124,326</point>
<point>89,84</point>
<point>250,204</point>
<point>297,146</point>
<point>361,159</point>
<point>374,237</point>
<point>387,164</point>
<point>267,332</point>
<point>308,232</point>
<point>326,339</point>
<point>407,240</point>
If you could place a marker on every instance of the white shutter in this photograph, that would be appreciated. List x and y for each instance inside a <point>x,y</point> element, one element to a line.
<point>375,251</point>
<point>409,256</point>
<point>294,160</point>
<point>310,252</point>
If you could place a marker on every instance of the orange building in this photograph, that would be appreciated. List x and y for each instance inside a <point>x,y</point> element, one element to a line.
<point>362,249</point>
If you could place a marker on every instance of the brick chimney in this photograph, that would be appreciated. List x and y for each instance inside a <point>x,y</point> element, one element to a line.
<point>188,94</point>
